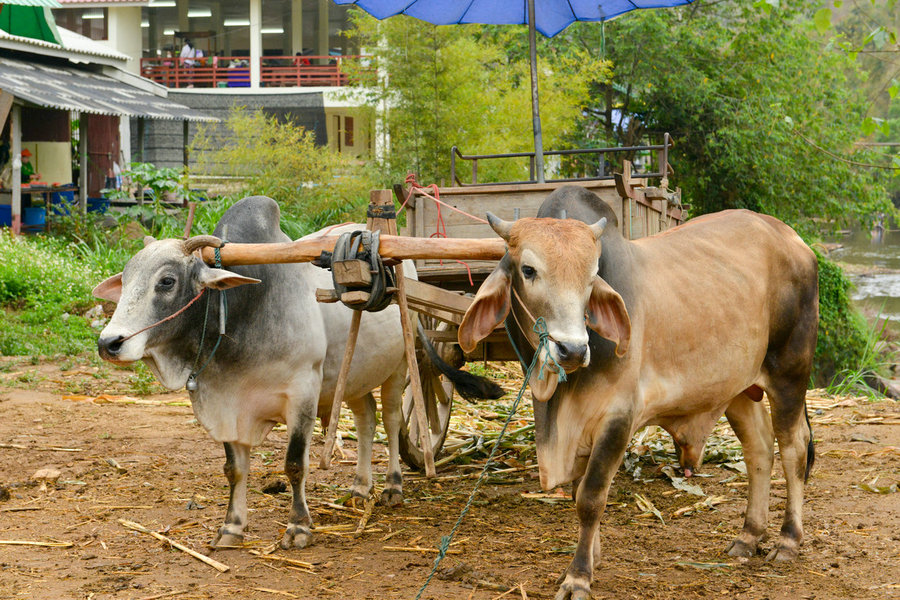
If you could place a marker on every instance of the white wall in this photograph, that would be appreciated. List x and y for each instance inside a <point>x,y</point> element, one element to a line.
<point>124,34</point>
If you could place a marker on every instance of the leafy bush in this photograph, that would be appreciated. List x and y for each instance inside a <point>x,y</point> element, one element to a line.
<point>843,333</point>
<point>313,185</point>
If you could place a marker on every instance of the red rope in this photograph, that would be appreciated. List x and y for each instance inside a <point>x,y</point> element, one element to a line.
<point>439,226</point>
<point>169,318</point>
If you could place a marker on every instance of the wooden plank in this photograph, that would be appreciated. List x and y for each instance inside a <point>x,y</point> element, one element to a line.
<point>544,188</point>
<point>327,296</point>
<point>355,297</point>
<point>435,301</point>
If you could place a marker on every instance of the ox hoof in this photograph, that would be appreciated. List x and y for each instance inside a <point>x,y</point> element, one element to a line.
<point>784,552</point>
<point>296,536</point>
<point>225,539</point>
<point>391,497</point>
<point>741,549</point>
<point>574,589</point>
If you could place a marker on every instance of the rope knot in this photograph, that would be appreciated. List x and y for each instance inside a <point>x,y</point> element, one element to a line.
<point>540,328</point>
<point>218,252</point>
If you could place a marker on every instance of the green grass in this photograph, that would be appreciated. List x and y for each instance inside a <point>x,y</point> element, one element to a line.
<point>873,363</point>
<point>45,288</point>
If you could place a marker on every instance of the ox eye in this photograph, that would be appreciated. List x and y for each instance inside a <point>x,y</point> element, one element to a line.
<point>166,283</point>
<point>528,272</point>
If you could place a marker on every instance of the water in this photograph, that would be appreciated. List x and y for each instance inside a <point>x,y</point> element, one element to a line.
<point>874,268</point>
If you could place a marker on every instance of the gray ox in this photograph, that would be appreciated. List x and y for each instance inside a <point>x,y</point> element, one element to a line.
<point>672,330</point>
<point>278,361</point>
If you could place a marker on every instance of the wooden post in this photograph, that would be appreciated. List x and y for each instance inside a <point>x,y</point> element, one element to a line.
<point>331,432</point>
<point>140,124</point>
<point>185,133</point>
<point>83,148</point>
<point>15,127</point>
<point>384,198</point>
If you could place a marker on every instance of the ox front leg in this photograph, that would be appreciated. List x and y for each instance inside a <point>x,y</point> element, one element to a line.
<point>392,415</point>
<point>237,467</point>
<point>296,466</point>
<point>364,418</point>
<point>753,428</point>
<point>590,503</point>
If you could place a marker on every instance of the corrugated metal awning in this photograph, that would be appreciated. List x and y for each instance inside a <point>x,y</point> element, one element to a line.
<point>70,88</point>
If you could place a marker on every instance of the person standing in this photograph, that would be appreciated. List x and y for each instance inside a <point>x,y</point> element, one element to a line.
<point>28,172</point>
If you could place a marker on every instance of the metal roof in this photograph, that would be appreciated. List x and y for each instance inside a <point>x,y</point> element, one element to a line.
<point>72,44</point>
<point>70,88</point>
<point>50,3</point>
<point>80,3</point>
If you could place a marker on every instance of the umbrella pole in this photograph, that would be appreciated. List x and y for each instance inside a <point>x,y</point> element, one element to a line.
<point>535,100</point>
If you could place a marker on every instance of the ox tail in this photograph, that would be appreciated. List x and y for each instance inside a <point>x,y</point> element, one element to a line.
<point>468,385</point>
<point>811,447</point>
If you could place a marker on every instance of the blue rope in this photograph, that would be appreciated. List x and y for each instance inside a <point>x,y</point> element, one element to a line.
<point>540,328</point>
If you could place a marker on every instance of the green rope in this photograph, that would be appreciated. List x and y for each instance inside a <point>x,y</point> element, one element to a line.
<point>540,328</point>
<point>223,303</point>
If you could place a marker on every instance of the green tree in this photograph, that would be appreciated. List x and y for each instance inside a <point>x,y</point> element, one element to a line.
<point>458,85</point>
<point>762,116</point>
<point>281,160</point>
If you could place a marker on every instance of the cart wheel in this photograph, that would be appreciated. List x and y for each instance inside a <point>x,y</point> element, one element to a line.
<point>438,394</point>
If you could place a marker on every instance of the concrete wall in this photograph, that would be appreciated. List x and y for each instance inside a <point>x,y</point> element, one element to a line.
<point>164,141</point>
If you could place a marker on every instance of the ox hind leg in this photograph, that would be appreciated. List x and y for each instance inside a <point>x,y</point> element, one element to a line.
<point>753,428</point>
<point>787,367</point>
<point>392,416</point>
<point>787,400</point>
<point>296,467</point>
<point>364,419</point>
<point>237,467</point>
<point>590,503</point>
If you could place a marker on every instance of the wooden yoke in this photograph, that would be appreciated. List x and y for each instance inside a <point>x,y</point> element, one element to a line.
<point>399,247</point>
<point>381,218</point>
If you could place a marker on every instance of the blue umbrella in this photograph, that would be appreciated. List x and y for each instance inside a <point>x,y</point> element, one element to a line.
<point>547,16</point>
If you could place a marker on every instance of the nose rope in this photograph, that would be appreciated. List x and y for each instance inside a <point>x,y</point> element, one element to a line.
<point>169,318</point>
<point>540,328</point>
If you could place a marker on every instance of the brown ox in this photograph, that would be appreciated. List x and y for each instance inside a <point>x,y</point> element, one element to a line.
<point>672,330</point>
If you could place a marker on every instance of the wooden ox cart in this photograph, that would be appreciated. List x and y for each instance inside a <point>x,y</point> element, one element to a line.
<point>454,253</point>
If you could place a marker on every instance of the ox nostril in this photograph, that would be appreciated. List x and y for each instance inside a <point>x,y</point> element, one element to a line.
<point>570,353</point>
<point>110,346</point>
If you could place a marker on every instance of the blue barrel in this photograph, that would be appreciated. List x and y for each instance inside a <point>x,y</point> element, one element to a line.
<point>100,205</point>
<point>35,216</point>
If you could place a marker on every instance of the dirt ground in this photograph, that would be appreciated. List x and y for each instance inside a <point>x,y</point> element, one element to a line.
<point>149,462</point>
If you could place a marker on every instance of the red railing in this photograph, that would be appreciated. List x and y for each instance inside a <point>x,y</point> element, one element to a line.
<point>234,71</point>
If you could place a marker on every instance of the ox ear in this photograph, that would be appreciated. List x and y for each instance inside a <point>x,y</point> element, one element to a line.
<point>489,309</point>
<point>220,279</point>
<point>606,314</point>
<point>111,289</point>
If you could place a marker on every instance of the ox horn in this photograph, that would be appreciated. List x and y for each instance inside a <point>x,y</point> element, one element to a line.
<point>148,239</point>
<point>598,227</point>
<point>201,241</point>
<point>499,225</point>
